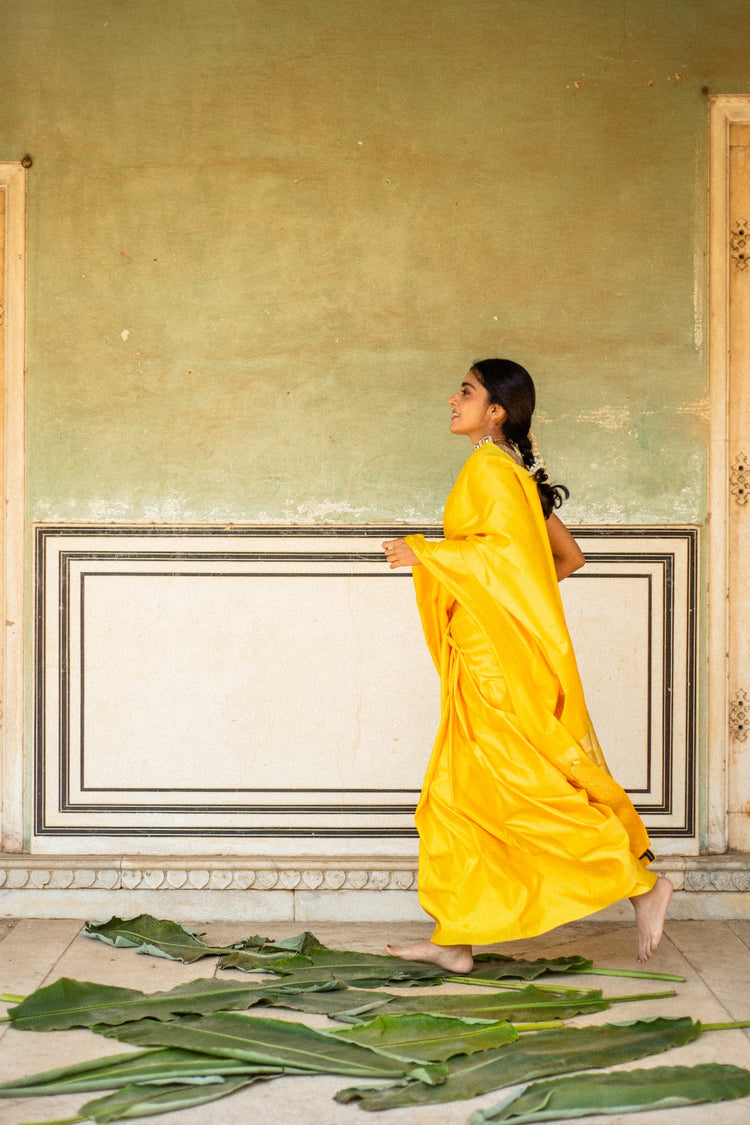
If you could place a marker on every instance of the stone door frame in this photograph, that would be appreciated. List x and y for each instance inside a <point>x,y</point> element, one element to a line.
<point>12,526</point>
<point>726,734</point>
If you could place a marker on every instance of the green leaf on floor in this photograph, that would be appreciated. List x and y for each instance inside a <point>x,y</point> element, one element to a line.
<point>349,1005</point>
<point>71,1003</point>
<point>142,1101</point>
<point>535,1056</point>
<point>300,943</point>
<point>619,1092</point>
<point>163,938</point>
<point>428,1038</point>
<point>529,1003</point>
<point>272,1042</point>
<point>374,970</point>
<point>158,1066</point>
<point>319,963</point>
<point>494,966</point>
<point>153,935</point>
<point>264,961</point>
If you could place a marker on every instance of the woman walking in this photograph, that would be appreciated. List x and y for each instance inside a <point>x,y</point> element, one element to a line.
<point>521,826</point>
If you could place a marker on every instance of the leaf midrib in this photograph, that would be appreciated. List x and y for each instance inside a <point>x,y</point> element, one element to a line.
<point>249,1044</point>
<point>142,998</point>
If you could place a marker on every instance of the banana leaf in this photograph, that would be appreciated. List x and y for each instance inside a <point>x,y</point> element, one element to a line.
<point>320,963</point>
<point>157,1067</point>
<point>619,1092</point>
<point>71,1003</point>
<point>535,1056</point>
<point>494,966</point>
<point>428,1038</point>
<point>290,952</point>
<point>531,1003</point>
<point>156,936</point>
<point>143,1101</point>
<point>271,1042</point>
<point>351,1005</point>
<point>264,961</point>
<point>163,938</point>
<point>374,970</point>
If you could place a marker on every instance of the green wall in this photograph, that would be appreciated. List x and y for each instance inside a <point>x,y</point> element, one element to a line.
<point>266,238</point>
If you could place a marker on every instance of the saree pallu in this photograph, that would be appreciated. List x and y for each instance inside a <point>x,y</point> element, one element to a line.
<point>521,826</point>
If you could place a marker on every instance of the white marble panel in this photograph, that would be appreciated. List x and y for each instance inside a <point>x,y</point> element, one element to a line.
<point>607,630</point>
<point>276,683</point>
<point>631,613</point>
<point>206,689</point>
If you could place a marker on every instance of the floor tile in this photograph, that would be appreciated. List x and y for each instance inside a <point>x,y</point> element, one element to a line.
<point>30,948</point>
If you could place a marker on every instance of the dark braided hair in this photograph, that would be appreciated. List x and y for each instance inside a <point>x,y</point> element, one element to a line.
<point>510,386</point>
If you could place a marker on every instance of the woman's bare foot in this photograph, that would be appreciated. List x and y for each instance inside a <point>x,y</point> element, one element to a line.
<point>650,912</point>
<point>454,958</point>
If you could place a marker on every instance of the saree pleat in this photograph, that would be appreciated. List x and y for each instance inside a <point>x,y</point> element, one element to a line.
<point>521,826</point>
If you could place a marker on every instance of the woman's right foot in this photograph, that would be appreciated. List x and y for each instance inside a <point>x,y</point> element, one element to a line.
<point>650,912</point>
<point>453,958</point>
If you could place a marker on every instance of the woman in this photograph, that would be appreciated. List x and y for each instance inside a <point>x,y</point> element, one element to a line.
<point>521,826</point>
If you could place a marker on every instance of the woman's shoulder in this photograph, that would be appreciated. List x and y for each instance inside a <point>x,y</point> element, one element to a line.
<point>491,463</point>
<point>488,477</point>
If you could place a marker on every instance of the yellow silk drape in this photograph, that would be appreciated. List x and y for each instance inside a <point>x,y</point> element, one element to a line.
<point>521,825</point>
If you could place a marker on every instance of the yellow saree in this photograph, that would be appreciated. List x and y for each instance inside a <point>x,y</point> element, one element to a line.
<point>521,826</point>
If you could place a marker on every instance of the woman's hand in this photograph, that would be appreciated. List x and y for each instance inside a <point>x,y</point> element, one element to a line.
<point>399,553</point>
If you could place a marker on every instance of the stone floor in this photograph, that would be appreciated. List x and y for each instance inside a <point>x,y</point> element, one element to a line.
<point>713,956</point>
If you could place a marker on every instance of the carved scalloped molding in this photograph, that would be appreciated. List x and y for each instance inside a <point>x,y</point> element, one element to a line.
<point>38,873</point>
<point>717,880</point>
<point>34,874</point>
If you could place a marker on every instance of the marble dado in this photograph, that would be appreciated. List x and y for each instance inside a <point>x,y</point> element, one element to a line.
<point>293,661</point>
<point>726,873</point>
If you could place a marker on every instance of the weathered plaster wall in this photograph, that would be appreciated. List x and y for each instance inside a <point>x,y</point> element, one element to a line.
<point>266,239</point>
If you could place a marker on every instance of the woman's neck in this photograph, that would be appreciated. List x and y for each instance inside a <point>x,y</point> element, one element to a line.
<point>499,441</point>
<point>501,444</point>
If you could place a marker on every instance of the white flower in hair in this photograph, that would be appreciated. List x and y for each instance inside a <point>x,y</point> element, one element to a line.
<point>538,462</point>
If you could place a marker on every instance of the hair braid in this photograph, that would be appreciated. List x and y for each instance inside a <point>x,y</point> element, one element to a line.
<point>510,386</point>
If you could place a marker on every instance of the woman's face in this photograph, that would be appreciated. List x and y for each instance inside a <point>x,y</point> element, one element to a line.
<point>473,414</point>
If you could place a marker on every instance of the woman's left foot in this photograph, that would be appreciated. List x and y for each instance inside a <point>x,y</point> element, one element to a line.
<point>650,912</point>
<point>453,958</point>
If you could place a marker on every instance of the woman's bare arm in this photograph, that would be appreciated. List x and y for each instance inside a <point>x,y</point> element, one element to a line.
<point>566,553</point>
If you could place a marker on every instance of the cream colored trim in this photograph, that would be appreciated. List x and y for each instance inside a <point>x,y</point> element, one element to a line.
<point>724,111</point>
<point>13,183</point>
